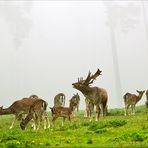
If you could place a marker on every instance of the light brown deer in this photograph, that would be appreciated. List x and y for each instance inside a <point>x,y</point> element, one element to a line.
<point>18,108</point>
<point>59,111</point>
<point>132,100</point>
<point>75,101</point>
<point>95,95</point>
<point>89,108</point>
<point>37,111</point>
<point>59,99</point>
<point>146,103</point>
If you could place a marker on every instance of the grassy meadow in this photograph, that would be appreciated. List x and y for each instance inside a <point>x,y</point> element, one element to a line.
<point>114,130</point>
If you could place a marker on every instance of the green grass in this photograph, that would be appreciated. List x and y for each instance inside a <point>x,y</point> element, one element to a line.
<point>114,130</point>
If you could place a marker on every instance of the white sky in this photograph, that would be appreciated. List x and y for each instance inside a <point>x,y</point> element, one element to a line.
<point>45,46</point>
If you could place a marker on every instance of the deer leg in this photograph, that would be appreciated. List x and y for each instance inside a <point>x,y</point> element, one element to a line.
<point>126,109</point>
<point>90,114</point>
<point>77,108</point>
<point>133,109</point>
<point>63,121</point>
<point>53,120</point>
<point>98,110</point>
<point>39,121</point>
<point>46,121</point>
<point>13,122</point>
<point>35,121</point>
<point>86,113</point>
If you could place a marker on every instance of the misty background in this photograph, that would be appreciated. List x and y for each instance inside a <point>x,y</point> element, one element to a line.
<point>46,45</point>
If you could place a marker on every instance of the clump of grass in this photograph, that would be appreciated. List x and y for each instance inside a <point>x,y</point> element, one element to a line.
<point>6,137</point>
<point>95,126</point>
<point>12,144</point>
<point>101,125</point>
<point>117,123</point>
<point>137,137</point>
<point>100,131</point>
<point>89,141</point>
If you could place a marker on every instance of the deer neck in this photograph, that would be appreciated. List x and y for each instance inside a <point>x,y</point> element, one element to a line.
<point>6,111</point>
<point>71,107</point>
<point>28,118</point>
<point>85,90</point>
<point>139,97</point>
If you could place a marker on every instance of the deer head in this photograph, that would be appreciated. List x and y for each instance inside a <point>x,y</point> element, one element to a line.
<point>89,79</point>
<point>140,92</point>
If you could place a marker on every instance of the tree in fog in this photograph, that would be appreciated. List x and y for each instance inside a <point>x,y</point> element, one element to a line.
<point>16,14</point>
<point>124,17</point>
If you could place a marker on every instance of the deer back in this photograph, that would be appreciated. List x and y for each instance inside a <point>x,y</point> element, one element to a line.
<point>22,105</point>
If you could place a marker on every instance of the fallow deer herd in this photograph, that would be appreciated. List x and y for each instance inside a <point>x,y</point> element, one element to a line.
<point>35,108</point>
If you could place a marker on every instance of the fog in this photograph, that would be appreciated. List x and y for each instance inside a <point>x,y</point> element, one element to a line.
<point>46,45</point>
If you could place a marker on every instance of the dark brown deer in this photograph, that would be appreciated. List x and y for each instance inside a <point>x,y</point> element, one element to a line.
<point>132,100</point>
<point>18,108</point>
<point>95,95</point>
<point>37,111</point>
<point>75,101</point>
<point>60,111</point>
<point>146,103</point>
<point>59,99</point>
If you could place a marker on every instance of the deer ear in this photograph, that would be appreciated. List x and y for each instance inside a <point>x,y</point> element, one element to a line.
<point>137,91</point>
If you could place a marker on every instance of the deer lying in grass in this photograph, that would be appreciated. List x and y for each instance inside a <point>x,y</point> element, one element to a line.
<point>59,99</point>
<point>94,95</point>
<point>74,101</point>
<point>132,100</point>
<point>18,108</point>
<point>59,111</point>
<point>36,112</point>
<point>146,103</point>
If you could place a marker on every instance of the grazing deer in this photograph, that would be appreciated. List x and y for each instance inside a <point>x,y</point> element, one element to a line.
<point>59,99</point>
<point>18,108</point>
<point>131,100</point>
<point>36,112</point>
<point>74,101</point>
<point>59,111</point>
<point>94,95</point>
<point>146,103</point>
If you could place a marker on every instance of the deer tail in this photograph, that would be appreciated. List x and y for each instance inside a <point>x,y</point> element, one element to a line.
<point>125,97</point>
<point>44,105</point>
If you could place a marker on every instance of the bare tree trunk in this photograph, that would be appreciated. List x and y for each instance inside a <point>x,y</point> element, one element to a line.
<point>145,20</point>
<point>115,64</point>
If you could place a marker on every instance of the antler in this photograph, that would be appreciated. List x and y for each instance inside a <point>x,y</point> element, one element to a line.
<point>90,78</point>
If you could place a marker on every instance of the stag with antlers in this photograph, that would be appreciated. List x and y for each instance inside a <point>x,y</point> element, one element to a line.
<point>94,95</point>
<point>132,100</point>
